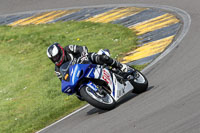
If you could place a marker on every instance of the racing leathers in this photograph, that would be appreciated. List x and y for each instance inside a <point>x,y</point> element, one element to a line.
<point>75,51</point>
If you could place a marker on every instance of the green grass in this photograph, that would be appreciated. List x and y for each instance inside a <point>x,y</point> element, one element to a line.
<point>140,67</point>
<point>30,93</point>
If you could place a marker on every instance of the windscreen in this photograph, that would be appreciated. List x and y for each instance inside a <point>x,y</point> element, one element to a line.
<point>64,68</point>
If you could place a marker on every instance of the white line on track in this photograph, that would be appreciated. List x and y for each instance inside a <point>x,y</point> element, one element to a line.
<point>64,118</point>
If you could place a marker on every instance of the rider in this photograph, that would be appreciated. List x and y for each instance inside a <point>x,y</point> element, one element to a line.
<point>60,55</point>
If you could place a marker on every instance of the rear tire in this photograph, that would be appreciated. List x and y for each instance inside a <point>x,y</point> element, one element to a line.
<point>140,83</point>
<point>96,100</point>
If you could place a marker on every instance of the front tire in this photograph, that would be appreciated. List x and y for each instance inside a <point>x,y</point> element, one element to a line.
<point>139,82</point>
<point>102,101</point>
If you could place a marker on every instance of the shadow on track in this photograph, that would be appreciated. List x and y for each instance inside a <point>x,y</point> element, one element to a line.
<point>128,97</point>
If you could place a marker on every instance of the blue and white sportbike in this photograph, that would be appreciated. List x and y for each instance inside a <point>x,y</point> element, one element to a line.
<point>100,86</point>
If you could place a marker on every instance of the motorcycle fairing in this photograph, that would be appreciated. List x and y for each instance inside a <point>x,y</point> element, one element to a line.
<point>102,74</point>
<point>92,71</point>
<point>77,71</point>
<point>117,89</point>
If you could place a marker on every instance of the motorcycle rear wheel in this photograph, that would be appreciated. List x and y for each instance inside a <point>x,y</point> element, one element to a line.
<point>102,101</point>
<point>139,82</point>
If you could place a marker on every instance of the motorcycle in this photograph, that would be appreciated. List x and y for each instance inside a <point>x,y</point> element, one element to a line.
<point>99,85</point>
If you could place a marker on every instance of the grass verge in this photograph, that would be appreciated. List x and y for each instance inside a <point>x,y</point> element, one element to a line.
<point>30,94</point>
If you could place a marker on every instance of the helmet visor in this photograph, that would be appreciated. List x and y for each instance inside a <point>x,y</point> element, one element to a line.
<point>56,58</point>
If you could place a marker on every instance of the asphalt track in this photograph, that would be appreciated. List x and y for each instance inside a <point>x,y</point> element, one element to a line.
<point>173,102</point>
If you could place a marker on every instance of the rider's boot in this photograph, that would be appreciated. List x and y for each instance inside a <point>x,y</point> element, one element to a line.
<point>125,69</point>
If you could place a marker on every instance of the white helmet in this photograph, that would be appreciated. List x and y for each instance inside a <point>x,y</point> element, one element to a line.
<point>56,53</point>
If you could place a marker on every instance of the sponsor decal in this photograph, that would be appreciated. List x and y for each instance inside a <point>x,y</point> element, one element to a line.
<point>106,76</point>
<point>78,74</point>
<point>71,72</point>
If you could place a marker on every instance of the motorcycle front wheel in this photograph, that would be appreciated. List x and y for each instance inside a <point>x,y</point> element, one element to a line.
<point>102,100</point>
